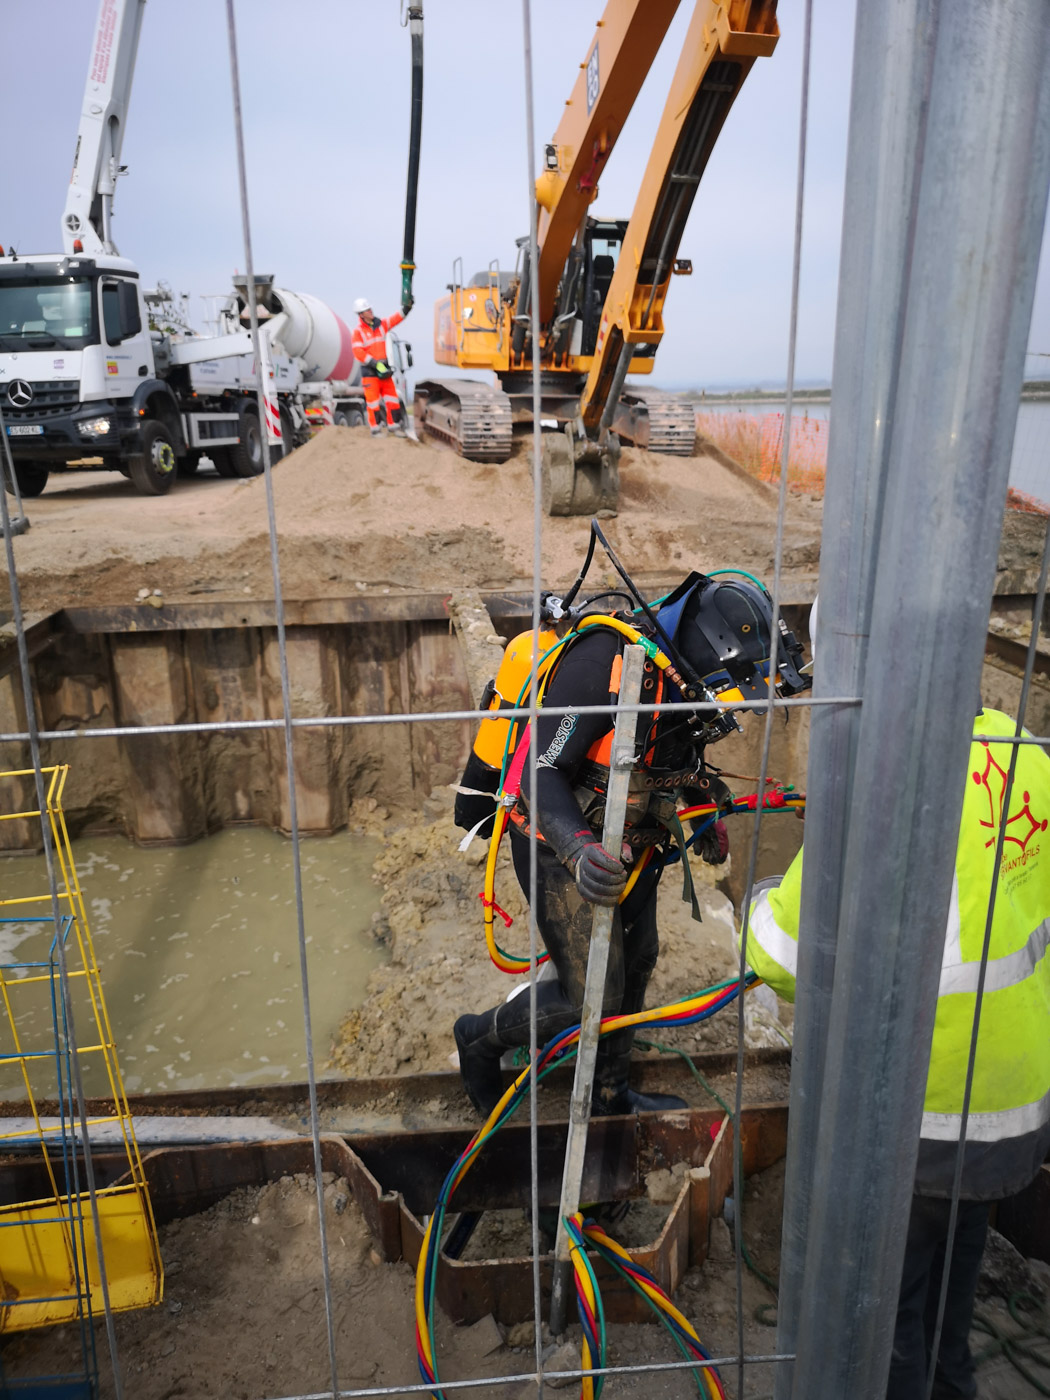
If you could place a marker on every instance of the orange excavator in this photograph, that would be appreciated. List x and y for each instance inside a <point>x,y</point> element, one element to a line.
<point>602,282</point>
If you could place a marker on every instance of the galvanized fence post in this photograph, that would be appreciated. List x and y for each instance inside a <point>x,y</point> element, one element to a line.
<point>621,764</point>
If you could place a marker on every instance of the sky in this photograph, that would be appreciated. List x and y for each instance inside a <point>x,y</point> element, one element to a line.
<point>326,96</point>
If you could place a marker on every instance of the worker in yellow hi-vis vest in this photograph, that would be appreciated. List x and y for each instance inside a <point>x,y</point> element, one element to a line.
<point>1008,1127</point>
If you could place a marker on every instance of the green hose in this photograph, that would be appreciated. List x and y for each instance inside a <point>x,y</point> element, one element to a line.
<point>761,1313</point>
<point>1018,1350</point>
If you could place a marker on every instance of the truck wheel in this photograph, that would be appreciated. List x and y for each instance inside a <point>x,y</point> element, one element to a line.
<point>247,456</point>
<point>222,460</point>
<point>31,479</point>
<point>340,419</point>
<point>355,418</point>
<point>287,443</point>
<point>154,471</point>
<point>287,432</point>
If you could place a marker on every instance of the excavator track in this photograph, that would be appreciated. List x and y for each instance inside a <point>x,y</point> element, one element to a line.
<point>657,422</point>
<point>474,419</point>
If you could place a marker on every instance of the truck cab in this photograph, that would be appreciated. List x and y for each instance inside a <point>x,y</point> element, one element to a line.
<point>77,371</point>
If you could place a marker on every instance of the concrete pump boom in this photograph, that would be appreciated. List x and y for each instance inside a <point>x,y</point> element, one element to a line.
<point>100,136</point>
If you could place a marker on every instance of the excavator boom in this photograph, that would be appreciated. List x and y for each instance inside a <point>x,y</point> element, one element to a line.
<point>627,39</point>
<point>722,43</point>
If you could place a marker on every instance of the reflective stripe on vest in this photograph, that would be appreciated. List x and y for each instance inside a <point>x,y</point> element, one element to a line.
<point>765,936</point>
<point>368,342</point>
<point>988,1127</point>
<point>772,932</point>
<point>1001,972</point>
<point>1010,1099</point>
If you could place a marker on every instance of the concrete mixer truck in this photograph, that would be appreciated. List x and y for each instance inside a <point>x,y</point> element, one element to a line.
<point>305,329</point>
<point>96,370</point>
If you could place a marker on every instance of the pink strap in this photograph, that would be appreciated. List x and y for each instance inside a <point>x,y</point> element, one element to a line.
<point>512,787</point>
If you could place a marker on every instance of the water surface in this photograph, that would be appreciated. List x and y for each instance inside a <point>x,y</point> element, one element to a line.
<point>198,954</point>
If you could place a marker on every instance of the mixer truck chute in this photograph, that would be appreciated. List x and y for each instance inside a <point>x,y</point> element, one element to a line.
<point>602,283</point>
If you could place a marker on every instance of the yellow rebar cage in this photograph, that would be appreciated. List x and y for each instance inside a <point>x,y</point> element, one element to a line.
<point>49,1252</point>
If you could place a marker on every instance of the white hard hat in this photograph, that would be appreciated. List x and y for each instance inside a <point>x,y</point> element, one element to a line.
<point>362,304</point>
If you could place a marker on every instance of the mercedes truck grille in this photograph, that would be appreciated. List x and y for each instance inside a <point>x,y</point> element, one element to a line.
<point>51,397</point>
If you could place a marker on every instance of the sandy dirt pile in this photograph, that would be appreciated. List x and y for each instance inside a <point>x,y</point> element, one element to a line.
<point>243,1314</point>
<point>439,966</point>
<point>356,514</point>
<point>388,514</point>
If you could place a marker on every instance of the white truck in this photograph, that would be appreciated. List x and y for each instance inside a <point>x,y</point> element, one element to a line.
<point>92,366</point>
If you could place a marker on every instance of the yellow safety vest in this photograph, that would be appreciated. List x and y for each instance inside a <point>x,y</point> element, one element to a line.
<point>1008,1127</point>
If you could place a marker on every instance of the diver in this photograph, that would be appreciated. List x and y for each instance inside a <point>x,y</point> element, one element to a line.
<point>716,633</point>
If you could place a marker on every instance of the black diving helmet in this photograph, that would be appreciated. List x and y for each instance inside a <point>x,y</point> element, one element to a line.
<point>721,632</point>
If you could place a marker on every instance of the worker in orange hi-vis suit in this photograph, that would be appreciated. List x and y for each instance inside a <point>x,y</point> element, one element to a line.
<point>368,339</point>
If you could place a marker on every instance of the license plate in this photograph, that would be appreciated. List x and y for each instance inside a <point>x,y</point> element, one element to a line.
<point>25,430</point>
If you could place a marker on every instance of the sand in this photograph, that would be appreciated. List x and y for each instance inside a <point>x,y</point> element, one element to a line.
<point>243,1313</point>
<point>389,514</point>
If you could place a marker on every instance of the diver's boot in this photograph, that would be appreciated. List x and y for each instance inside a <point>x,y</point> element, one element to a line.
<point>608,1102</point>
<point>481,1040</point>
<point>480,1049</point>
<point>611,1094</point>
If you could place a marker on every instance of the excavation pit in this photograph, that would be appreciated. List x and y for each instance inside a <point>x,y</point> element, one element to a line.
<point>395,1179</point>
<point>621,1152</point>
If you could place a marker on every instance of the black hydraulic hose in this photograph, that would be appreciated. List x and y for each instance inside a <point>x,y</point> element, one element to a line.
<point>570,596</point>
<point>665,641</point>
<point>521,316</point>
<point>408,266</point>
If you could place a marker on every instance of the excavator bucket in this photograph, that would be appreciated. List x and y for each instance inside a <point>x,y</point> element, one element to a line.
<point>579,478</point>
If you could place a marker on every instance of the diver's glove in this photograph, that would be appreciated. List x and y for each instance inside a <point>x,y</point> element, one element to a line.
<point>714,844</point>
<point>600,877</point>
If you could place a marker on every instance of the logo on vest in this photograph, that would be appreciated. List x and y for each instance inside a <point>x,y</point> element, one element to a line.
<point>1020,826</point>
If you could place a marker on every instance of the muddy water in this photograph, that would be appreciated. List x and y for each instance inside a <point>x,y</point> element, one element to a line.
<point>198,954</point>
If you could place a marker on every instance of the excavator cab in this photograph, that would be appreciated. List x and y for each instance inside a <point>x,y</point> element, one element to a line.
<point>602,241</point>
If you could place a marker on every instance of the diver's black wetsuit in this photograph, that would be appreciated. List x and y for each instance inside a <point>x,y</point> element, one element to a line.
<point>569,814</point>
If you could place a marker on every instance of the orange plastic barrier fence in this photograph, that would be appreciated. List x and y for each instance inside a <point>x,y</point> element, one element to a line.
<point>1030,505</point>
<point>756,440</point>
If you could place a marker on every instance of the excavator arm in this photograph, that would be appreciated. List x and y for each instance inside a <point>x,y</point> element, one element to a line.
<point>722,43</point>
<point>100,136</point>
<point>627,39</point>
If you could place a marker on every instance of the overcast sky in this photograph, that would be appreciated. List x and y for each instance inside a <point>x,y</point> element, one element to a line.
<point>326,87</point>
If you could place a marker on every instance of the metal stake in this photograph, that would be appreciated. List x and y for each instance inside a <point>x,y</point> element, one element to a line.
<point>979,167</point>
<point>620,766</point>
<point>889,94</point>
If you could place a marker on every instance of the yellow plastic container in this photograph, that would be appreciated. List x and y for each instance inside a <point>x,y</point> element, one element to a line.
<point>511,678</point>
